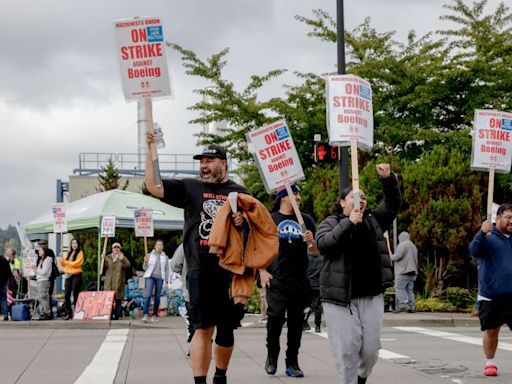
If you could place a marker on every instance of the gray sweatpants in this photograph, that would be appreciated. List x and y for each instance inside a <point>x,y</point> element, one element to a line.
<point>354,336</point>
<point>43,297</point>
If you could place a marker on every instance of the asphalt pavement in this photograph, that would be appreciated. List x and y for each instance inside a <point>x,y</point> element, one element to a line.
<point>130,351</point>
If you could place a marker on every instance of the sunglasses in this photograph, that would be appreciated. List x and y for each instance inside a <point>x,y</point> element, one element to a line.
<point>116,246</point>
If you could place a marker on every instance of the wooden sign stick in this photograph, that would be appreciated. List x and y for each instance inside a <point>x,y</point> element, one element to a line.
<point>145,246</point>
<point>105,241</point>
<point>148,104</point>
<point>296,209</point>
<point>355,174</point>
<point>490,194</point>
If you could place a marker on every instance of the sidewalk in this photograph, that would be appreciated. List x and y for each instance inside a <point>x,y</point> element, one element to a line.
<point>418,319</point>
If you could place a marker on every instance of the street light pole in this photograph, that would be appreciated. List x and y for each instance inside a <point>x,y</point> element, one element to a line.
<point>340,23</point>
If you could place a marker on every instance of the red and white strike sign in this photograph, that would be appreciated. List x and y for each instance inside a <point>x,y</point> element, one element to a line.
<point>275,155</point>
<point>349,111</point>
<point>59,218</point>
<point>108,226</point>
<point>143,220</point>
<point>492,144</point>
<point>142,57</point>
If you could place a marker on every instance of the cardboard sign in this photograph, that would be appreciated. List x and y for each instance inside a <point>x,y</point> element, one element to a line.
<point>59,218</point>
<point>143,221</point>
<point>94,305</point>
<point>275,155</point>
<point>142,57</point>
<point>108,226</point>
<point>492,144</point>
<point>29,263</point>
<point>349,111</point>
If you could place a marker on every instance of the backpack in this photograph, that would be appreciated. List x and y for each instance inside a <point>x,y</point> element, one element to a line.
<point>55,271</point>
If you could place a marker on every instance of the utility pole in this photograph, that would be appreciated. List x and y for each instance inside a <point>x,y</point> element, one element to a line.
<point>344,180</point>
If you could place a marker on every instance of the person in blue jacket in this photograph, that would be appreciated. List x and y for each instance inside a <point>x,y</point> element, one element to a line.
<point>492,246</point>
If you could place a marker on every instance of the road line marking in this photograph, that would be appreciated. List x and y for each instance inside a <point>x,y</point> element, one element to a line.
<point>383,353</point>
<point>245,325</point>
<point>103,367</point>
<point>452,336</point>
<point>388,355</point>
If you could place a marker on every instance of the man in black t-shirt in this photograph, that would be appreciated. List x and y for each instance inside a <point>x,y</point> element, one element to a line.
<point>289,290</point>
<point>208,284</point>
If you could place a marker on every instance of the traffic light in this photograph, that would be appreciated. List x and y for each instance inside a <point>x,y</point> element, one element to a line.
<point>325,153</point>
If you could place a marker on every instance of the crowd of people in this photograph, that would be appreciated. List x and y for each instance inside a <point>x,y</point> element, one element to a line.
<point>339,269</point>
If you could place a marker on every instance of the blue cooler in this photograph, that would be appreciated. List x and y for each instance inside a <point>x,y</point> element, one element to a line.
<point>20,312</point>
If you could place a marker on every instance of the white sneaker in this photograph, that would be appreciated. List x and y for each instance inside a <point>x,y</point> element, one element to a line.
<point>154,319</point>
<point>145,318</point>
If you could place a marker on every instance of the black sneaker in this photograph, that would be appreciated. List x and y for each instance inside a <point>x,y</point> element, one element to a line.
<point>270,365</point>
<point>294,371</point>
<point>306,327</point>
<point>411,311</point>
<point>361,380</point>
<point>318,329</point>
<point>219,379</point>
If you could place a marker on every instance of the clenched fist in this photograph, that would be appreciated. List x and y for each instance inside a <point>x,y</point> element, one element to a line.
<point>383,170</point>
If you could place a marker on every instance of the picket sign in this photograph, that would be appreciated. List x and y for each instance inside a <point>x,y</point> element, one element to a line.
<point>142,56</point>
<point>277,160</point>
<point>143,225</point>
<point>492,147</point>
<point>59,218</point>
<point>350,119</point>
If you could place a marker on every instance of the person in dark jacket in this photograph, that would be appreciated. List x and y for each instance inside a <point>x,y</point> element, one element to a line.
<point>314,268</point>
<point>492,246</point>
<point>5,276</point>
<point>356,271</point>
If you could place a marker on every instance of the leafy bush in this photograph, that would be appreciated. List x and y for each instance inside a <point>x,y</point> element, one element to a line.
<point>254,304</point>
<point>433,304</point>
<point>460,297</point>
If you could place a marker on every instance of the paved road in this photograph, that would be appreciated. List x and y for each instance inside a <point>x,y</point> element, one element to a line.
<point>412,353</point>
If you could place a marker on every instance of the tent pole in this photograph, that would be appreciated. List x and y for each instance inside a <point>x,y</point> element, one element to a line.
<point>98,261</point>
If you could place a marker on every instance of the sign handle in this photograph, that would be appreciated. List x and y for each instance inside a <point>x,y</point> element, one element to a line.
<point>296,209</point>
<point>105,241</point>
<point>145,246</point>
<point>355,174</point>
<point>148,105</point>
<point>490,194</point>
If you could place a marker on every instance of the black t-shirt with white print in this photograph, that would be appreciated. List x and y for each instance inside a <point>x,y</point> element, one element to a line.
<point>200,201</point>
<point>292,262</point>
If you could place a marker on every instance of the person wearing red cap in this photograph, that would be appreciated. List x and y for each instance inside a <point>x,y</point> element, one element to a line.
<point>287,282</point>
<point>210,303</point>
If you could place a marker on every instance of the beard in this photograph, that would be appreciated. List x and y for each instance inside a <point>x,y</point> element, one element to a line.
<point>214,175</point>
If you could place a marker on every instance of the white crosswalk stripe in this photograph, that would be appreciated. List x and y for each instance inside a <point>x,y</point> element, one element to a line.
<point>452,336</point>
<point>103,367</point>
<point>383,353</point>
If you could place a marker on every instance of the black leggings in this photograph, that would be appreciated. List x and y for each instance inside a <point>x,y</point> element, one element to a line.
<point>73,284</point>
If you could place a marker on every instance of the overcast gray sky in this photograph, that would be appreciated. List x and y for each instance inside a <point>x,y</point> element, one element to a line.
<point>60,90</point>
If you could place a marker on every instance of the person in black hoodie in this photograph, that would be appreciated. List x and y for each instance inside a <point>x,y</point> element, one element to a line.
<point>356,271</point>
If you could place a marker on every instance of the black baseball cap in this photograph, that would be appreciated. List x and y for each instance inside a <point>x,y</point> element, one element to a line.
<point>213,151</point>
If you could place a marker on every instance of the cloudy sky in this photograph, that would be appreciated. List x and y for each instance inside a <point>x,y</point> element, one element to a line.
<point>60,88</point>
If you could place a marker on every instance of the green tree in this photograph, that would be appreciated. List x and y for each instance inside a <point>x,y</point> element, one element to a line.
<point>425,91</point>
<point>110,178</point>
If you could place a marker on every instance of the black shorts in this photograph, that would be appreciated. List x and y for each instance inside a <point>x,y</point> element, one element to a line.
<point>210,303</point>
<point>495,313</point>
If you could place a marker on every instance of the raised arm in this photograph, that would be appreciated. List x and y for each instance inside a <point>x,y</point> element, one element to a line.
<point>149,172</point>
<point>478,247</point>
<point>331,233</point>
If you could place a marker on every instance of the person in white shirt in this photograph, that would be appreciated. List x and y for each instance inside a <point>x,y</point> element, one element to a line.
<point>156,267</point>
